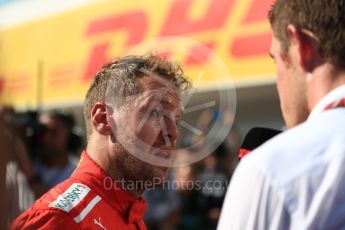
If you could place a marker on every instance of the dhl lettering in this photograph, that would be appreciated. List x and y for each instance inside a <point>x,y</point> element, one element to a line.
<point>165,53</point>
<point>60,76</point>
<point>244,48</point>
<point>96,59</point>
<point>2,84</point>
<point>200,52</point>
<point>18,83</point>
<point>63,70</point>
<point>255,44</point>
<point>133,23</point>
<point>178,23</point>
<point>258,11</point>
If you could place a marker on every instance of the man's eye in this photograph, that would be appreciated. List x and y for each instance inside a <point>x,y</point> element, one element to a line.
<point>156,113</point>
<point>177,120</point>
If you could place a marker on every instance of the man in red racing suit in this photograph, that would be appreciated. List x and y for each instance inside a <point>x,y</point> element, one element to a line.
<point>131,108</point>
<point>87,200</point>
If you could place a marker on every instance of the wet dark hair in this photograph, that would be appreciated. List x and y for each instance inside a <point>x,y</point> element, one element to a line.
<point>324,18</point>
<point>122,75</point>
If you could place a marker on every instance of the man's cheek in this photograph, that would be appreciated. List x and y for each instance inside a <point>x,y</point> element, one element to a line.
<point>149,132</point>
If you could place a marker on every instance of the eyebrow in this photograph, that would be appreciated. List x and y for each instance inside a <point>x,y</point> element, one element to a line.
<point>165,102</point>
<point>180,108</point>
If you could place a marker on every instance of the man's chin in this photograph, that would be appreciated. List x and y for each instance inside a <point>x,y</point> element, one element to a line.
<point>159,176</point>
<point>162,172</point>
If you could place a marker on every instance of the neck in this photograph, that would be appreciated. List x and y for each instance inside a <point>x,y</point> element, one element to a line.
<point>136,193</point>
<point>323,80</point>
<point>99,150</point>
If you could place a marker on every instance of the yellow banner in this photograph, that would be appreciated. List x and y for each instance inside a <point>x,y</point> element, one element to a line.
<point>55,57</point>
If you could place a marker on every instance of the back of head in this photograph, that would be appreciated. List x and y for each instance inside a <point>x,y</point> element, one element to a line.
<point>324,18</point>
<point>120,78</point>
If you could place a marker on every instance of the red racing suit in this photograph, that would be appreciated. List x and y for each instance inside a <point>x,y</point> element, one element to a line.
<point>86,200</point>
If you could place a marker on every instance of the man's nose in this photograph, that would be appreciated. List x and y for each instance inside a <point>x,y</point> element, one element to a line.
<point>171,129</point>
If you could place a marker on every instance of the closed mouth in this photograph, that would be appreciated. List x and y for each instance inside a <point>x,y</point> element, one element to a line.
<point>165,153</point>
<point>162,154</point>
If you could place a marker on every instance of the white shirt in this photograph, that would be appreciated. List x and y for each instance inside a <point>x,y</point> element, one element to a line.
<point>294,181</point>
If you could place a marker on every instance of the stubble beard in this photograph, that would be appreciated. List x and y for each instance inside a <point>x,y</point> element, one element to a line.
<point>129,168</point>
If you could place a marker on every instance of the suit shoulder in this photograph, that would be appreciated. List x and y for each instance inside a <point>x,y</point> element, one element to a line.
<point>43,219</point>
<point>60,204</point>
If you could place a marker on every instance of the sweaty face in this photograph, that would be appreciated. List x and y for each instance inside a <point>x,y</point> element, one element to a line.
<point>147,131</point>
<point>291,84</point>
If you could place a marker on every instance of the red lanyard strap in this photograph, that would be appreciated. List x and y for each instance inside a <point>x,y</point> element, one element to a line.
<point>337,104</point>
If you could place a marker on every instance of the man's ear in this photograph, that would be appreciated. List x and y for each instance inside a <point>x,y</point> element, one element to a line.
<point>99,118</point>
<point>307,47</point>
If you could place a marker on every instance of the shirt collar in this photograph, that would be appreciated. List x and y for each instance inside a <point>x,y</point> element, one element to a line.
<point>90,173</point>
<point>332,96</point>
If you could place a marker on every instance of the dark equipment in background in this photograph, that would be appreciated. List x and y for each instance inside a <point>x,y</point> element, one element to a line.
<point>256,137</point>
